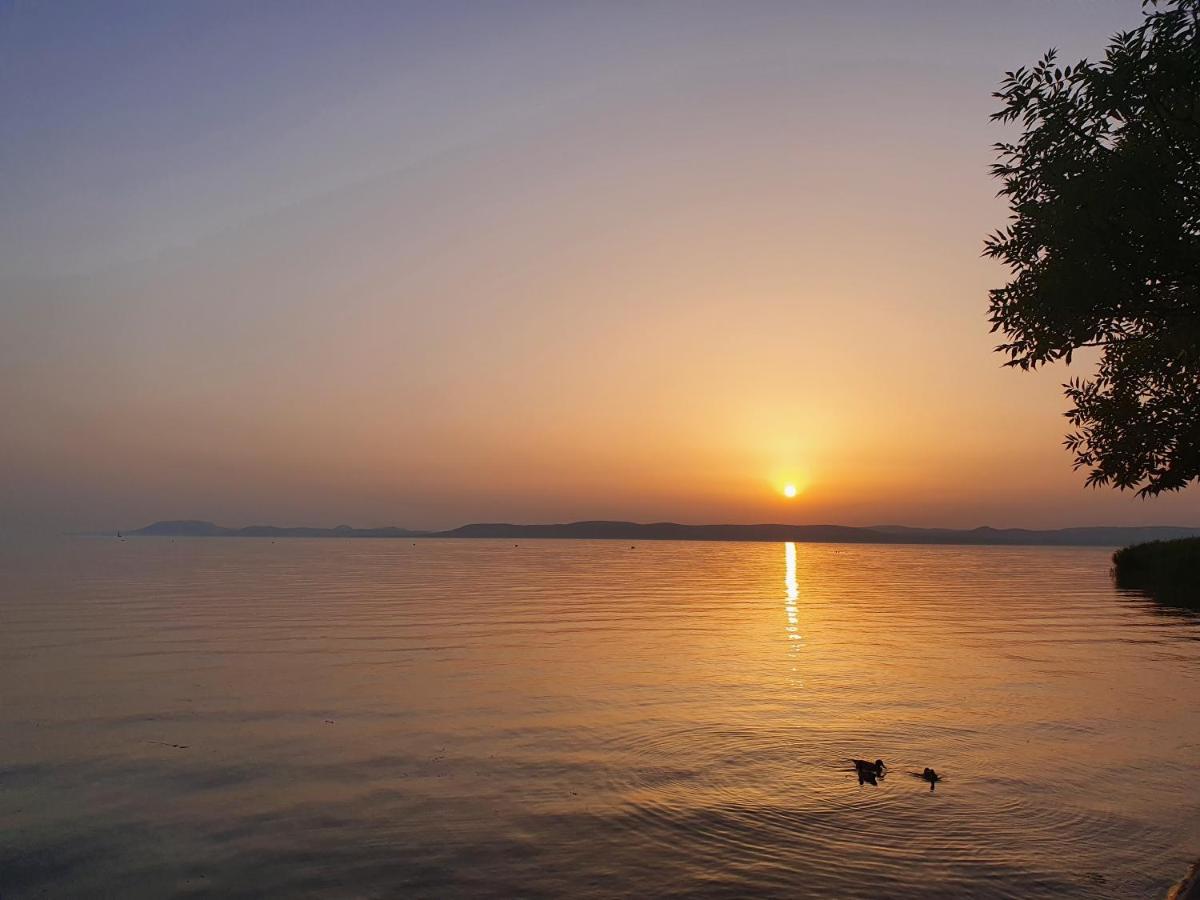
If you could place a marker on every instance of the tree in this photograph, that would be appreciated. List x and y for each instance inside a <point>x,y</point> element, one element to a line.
<point>1103,244</point>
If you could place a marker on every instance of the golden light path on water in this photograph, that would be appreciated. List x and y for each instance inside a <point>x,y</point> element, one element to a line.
<point>792,594</point>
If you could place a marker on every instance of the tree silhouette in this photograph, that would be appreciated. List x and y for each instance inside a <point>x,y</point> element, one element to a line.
<point>1103,244</point>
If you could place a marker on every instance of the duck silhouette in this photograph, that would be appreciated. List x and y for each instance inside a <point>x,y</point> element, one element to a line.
<point>928,775</point>
<point>868,772</point>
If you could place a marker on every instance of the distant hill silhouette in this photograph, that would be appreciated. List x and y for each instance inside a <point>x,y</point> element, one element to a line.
<point>194,528</point>
<point>672,531</point>
<point>1102,536</point>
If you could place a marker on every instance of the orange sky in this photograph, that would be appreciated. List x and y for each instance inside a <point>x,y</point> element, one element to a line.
<point>406,268</point>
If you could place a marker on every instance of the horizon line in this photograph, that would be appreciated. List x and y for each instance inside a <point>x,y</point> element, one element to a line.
<point>610,529</point>
<point>643,524</point>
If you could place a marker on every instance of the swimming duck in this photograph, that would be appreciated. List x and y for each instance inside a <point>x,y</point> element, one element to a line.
<point>874,768</point>
<point>868,771</point>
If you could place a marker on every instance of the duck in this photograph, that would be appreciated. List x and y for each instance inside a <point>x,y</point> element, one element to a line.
<point>875,768</point>
<point>929,775</point>
<point>869,769</point>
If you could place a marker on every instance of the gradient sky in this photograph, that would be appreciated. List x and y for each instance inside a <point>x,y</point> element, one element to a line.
<point>423,264</point>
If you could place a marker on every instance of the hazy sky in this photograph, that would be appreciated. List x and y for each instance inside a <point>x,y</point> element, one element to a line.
<point>422,264</point>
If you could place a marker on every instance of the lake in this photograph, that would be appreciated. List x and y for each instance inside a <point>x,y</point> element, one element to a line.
<point>383,718</point>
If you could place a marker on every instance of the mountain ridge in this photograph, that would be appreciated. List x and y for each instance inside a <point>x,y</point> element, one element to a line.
<point>1093,535</point>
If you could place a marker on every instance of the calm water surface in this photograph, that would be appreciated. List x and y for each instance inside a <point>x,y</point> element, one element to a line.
<point>370,718</point>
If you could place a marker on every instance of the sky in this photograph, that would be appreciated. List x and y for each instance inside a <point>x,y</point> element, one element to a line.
<point>422,264</point>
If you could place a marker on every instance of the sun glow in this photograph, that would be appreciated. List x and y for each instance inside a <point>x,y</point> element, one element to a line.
<point>789,490</point>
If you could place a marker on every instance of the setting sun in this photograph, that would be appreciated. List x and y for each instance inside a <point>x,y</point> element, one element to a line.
<point>789,490</point>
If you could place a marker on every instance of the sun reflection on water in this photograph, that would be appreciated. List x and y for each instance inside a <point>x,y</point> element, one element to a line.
<point>793,591</point>
<point>789,579</point>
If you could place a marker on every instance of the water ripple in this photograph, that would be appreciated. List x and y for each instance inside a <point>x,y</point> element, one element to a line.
<point>224,718</point>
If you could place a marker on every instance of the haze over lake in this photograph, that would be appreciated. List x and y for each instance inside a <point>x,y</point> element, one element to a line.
<point>238,717</point>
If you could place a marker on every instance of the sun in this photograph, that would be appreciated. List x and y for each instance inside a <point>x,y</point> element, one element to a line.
<point>789,490</point>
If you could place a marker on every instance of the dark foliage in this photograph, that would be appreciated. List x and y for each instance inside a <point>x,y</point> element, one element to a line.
<point>1168,570</point>
<point>1104,244</point>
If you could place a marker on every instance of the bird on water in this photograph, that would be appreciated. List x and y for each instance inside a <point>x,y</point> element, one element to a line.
<point>928,775</point>
<point>868,772</point>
